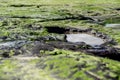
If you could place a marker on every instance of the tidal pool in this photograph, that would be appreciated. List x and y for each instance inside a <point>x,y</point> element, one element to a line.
<point>88,39</point>
<point>114,26</point>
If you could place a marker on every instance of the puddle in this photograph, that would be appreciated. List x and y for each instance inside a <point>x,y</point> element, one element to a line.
<point>13,44</point>
<point>88,39</point>
<point>114,26</point>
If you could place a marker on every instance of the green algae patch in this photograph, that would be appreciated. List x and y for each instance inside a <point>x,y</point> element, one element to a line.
<point>23,68</point>
<point>76,65</point>
<point>7,67</point>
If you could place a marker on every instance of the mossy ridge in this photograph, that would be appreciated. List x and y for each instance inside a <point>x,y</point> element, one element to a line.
<point>69,64</point>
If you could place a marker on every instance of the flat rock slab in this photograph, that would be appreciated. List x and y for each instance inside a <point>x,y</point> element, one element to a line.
<point>88,39</point>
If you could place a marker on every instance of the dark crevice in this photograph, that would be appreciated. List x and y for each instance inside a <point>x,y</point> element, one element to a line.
<point>24,17</point>
<point>21,5</point>
<point>66,30</point>
<point>118,9</point>
<point>55,29</point>
<point>68,18</point>
<point>30,5</point>
<point>115,56</point>
<point>111,53</point>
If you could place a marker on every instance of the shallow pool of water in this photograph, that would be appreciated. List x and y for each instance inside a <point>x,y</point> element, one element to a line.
<point>114,26</point>
<point>88,39</point>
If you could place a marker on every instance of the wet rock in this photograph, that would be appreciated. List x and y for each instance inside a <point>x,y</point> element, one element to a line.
<point>3,37</point>
<point>51,38</point>
<point>17,52</point>
<point>66,45</point>
<point>50,46</point>
<point>93,32</point>
<point>34,27</point>
<point>41,46</point>
<point>109,52</point>
<point>13,44</point>
<point>111,41</point>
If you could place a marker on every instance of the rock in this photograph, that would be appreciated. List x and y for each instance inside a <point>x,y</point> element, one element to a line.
<point>5,53</point>
<point>13,44</point>
<point>41,46</point>
<point>4,37</point>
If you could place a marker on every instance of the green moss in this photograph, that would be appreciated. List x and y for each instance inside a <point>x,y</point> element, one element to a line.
<point>82,76</point>
<point>6,68</point>
<point>78,65</point>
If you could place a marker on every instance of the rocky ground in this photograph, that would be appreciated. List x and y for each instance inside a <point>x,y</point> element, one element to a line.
<point>59,40</point>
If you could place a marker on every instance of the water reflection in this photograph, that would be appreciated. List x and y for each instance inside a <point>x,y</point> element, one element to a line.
<point>88,39</point>
<point>113,26</point>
